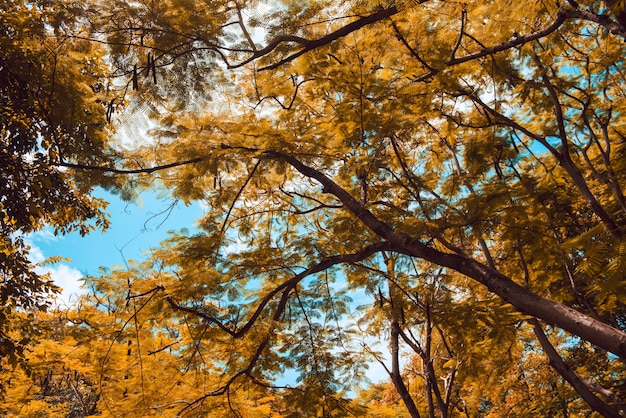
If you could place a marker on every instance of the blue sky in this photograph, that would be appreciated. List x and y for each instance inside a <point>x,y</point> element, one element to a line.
<point>135,229</point>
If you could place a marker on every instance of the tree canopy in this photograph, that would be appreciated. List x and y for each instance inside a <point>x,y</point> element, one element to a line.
<point>52,91</point>
<point>444,178</point>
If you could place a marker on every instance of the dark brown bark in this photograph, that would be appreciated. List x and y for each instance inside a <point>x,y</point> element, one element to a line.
<point>568,374</point>
<point>432,386</point>
<point>565,159</point>
<point>554,313</point>
<point>396,376</point>
<point>309,45</point>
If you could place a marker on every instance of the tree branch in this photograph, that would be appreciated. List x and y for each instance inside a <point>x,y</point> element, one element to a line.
<point>568,374</point>
<point>310,45</point>
<point>525,301</point>
<point>396,376</point>
<point>232,205</point>
<point>563,15</point>
<point>114,170</point>
<point>286,286</point>
<point>286,292</point>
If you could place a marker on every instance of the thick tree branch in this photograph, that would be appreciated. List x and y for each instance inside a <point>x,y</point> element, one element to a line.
<point>310,45</point>
<point>561,17</point>
<point>568,374</point>
<point>603,20</point>
<point>525,301</point>
<point>396,376</point>
<point>553,26</point>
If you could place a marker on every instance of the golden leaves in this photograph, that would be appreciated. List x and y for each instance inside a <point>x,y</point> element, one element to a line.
<point>422,134</point>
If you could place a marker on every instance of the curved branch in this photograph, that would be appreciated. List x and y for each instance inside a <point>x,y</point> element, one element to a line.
<point>395,374</point>
<point>563,15</point>
<point>581,387</point>
<point>603,20</point>
<point>555,313</point>
<point>309,45</point>
<point>461,32</point>
<point>566,161</point>
<point>285,287</point>
<point>552,312</point>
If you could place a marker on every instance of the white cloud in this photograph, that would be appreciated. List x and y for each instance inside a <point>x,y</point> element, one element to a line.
<point>68,279</point>
<point>63,275</point>
<point>46,235</point>
<point>35,255</point>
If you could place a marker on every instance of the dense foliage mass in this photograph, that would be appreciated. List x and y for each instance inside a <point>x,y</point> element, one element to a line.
<point>433,186</point>
<point>51,110</point>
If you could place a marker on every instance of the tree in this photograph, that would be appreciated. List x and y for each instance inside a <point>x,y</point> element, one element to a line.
<point>472,115</point>
<point>61,379</point>
<point>482,144</point>
<point>53,100</point>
